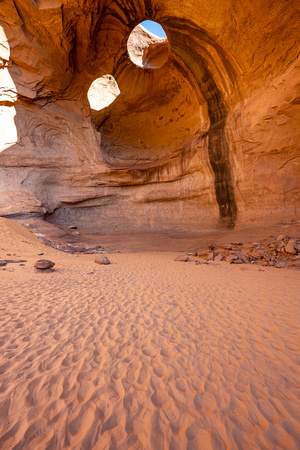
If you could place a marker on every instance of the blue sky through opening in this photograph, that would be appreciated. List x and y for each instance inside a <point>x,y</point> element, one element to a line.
<point>154,28</point>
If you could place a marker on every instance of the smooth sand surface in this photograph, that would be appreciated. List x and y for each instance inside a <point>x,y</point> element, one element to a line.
<point>145,353</point>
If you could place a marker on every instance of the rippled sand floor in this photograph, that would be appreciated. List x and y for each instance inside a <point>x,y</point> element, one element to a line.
<point>146,353</point>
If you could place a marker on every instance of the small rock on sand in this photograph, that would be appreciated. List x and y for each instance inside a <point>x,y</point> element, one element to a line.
<point>182,258</point>
<point>43,264</point>
<point>102,259</point>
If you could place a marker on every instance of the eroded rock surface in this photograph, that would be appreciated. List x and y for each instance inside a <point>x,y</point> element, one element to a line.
<point>43,264</point>
<point>211,137</point>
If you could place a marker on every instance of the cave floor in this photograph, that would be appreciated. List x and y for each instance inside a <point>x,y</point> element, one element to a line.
<point>176,240</point>
<point>146,352</point>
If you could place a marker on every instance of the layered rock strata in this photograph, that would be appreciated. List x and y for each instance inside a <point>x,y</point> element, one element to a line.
<point>210,137</point>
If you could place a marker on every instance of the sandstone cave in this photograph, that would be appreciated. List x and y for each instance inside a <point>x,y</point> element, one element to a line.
<point>107,126</point>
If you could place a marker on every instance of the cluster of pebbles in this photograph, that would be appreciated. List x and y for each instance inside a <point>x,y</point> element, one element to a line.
<point>280,251</point>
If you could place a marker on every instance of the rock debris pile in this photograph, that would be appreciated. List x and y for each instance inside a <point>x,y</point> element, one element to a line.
<point>281,251</point>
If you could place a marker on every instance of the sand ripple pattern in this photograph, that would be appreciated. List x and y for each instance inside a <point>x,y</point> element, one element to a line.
<point>148,353</point>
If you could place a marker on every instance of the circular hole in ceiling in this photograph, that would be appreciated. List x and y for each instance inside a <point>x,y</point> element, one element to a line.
<point>102,92</point>
<point>148,45</point>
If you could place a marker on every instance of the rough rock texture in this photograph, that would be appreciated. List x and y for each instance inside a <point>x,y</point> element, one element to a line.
<point>147,50</point>
<point>43,264</point>
<point>267,252</point>
<point>211,137</point>
<point>102,259</point>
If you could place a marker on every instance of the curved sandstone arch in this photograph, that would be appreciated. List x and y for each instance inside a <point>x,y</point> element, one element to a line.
<point>210,137</point>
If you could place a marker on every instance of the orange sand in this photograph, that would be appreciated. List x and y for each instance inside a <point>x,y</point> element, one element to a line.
<point>145,353</point>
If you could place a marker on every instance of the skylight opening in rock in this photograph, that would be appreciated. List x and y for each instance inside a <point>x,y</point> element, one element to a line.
<point>148,45</point>
<point>102,92</point>
<point>154,28</point>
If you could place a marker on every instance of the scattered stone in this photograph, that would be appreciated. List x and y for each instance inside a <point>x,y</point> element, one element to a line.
<point>79,249</point>
<point>219,258</point>
<point>213,246</point>
<point>203,261</point>
<point>282,237</point>
<point>290,247</point>
<point>43,264</point>
<point>254,257</point>
<point>3,262</point>
<point>40,254</point>
<point>226,247</point>
<point>102,259</point>
<point>243,258</point>
<point>231,258</point>
<point>72,227</point>
<point>182,258</point>
<point>211,256</point>
<point>268,252</point>
<point>266,257</point>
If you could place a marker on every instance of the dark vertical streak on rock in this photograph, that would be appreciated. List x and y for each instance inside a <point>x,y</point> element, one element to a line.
<point>195,69</point>
<point>218,150</point>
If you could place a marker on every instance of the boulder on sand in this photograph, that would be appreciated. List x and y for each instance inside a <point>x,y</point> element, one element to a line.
<point>43,264</point>
<point>102,259</point>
